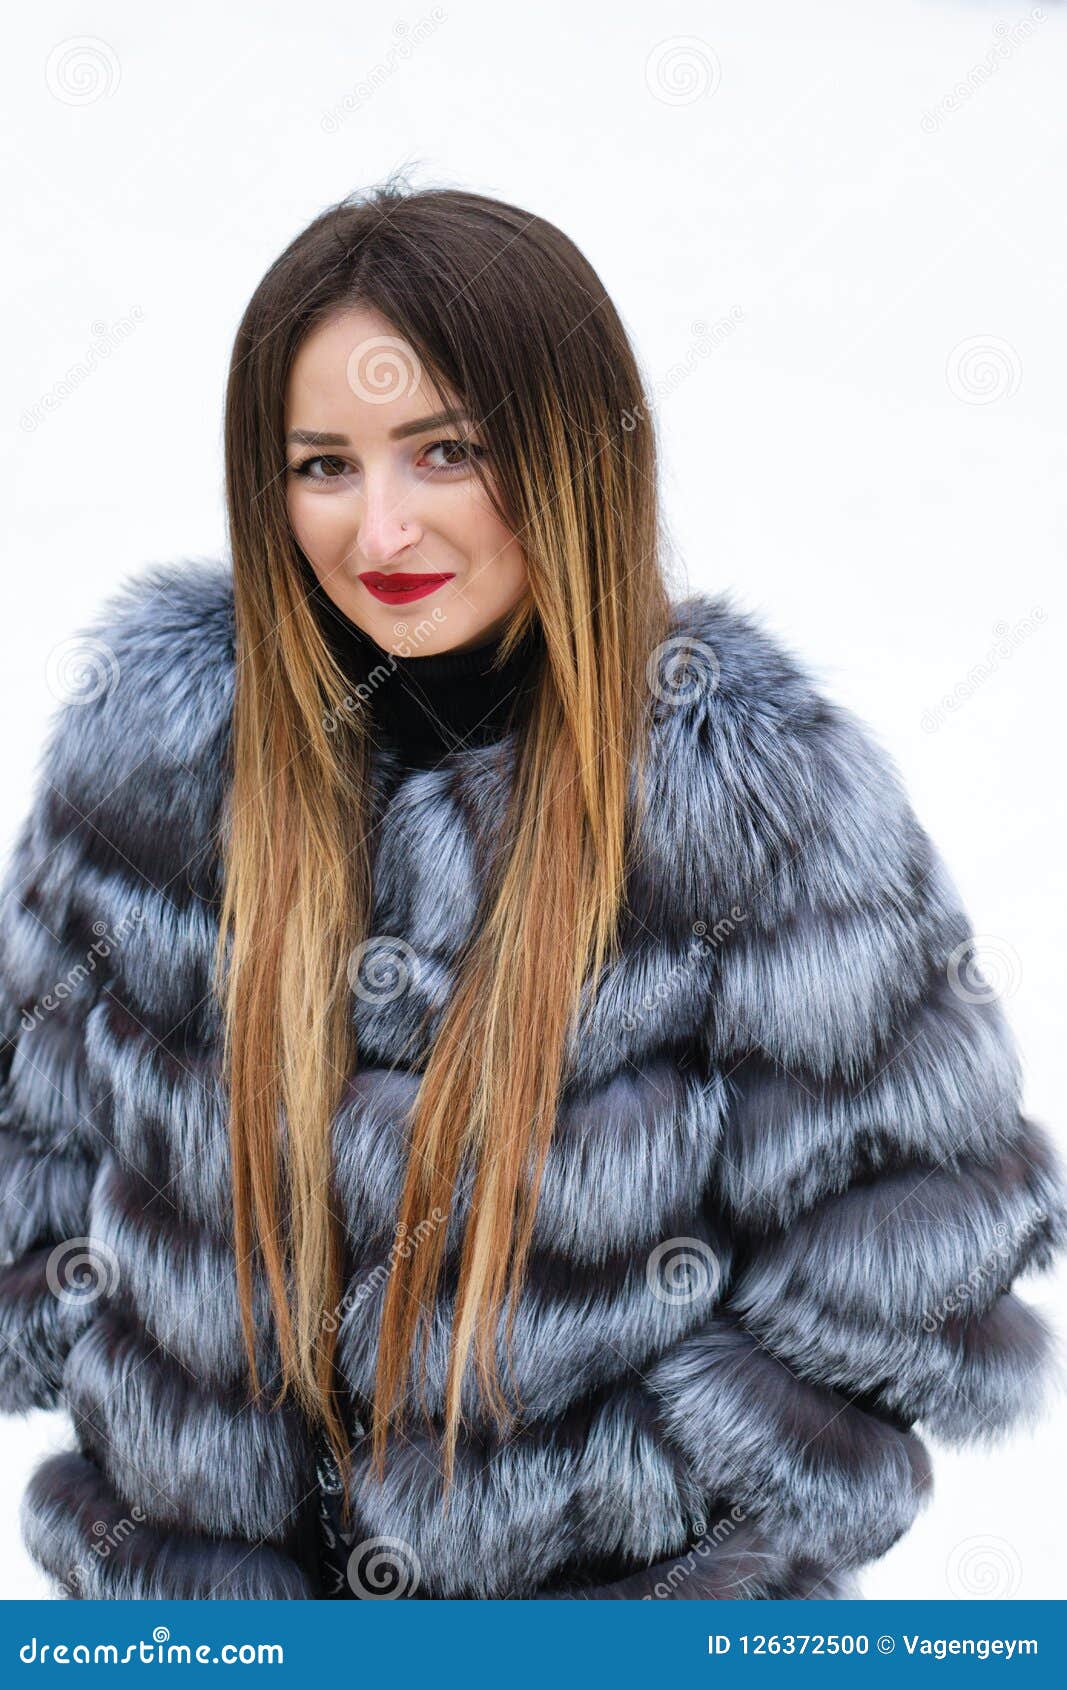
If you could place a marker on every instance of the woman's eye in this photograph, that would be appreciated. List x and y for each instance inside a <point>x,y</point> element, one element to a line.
<point>304,469</point>
<point>460,453</point>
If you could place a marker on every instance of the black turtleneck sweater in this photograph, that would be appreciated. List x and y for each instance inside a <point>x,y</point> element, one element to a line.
<point>424,707</point>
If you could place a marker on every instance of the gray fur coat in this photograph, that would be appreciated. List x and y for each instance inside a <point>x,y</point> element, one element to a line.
<point>788,1193</point>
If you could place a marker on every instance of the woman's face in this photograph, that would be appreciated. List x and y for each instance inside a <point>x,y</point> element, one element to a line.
<point>379,491</point>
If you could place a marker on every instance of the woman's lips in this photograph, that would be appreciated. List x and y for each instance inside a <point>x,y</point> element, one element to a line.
<point>400,588</point>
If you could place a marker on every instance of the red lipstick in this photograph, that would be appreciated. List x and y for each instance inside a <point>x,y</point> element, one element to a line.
<point>402,588</point>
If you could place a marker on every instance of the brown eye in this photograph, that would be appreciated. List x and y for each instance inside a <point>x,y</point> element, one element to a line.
<point>304,469</point>
<point>461,453</point>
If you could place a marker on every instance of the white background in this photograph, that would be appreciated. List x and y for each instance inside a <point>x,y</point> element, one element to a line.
<point>872,455</point>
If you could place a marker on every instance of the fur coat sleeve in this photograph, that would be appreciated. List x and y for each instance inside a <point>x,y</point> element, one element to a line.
<point>881,1181</point>
<point>51,966</point>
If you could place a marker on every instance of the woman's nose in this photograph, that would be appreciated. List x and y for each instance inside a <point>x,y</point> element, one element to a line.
<point>386,527</point>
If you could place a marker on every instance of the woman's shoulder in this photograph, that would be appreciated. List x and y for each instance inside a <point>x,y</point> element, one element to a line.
<point>133,755</point>
<point>781,832</point>
<point>763,778</point>
<point>724,675</point>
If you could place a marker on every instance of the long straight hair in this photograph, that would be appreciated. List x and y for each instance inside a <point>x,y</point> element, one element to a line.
<point>505,315</point>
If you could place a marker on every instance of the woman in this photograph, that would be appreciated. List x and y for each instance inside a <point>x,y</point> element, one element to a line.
<point>528,1123</point>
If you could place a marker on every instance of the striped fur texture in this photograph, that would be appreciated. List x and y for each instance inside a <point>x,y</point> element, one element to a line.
<point>789,1192</point>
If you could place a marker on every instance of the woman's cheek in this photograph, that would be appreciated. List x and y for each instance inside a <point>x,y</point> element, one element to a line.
<point>322,524</point>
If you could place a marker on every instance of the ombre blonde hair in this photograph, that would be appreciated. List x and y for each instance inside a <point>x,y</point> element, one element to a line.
<point>501,310</point>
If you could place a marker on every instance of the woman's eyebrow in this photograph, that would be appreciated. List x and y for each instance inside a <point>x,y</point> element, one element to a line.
<point>314,437</point>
